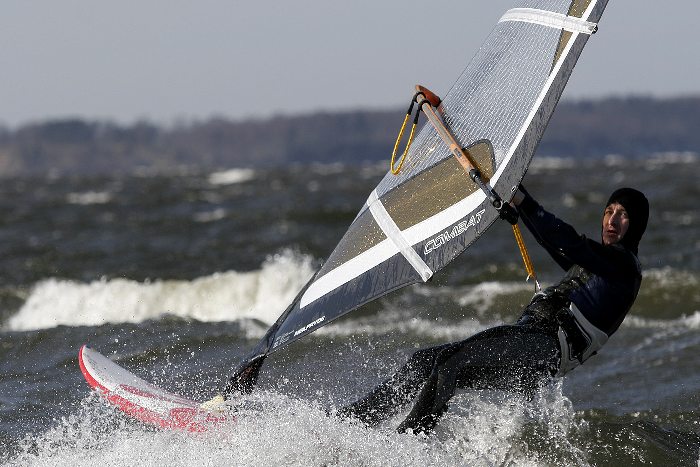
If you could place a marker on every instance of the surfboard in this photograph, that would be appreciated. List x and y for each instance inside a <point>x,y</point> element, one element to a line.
<point>142,400</point>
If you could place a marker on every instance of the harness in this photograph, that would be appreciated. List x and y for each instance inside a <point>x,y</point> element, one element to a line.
<point>578,339</point>
<point>552,311</point>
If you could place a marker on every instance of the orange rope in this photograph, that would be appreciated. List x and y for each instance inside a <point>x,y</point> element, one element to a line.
<point>526,256</point>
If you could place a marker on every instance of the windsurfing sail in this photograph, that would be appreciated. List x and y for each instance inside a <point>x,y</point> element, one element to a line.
<point>418,220</point>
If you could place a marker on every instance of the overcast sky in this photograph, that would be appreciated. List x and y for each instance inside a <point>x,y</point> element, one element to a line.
<point>170,60</point>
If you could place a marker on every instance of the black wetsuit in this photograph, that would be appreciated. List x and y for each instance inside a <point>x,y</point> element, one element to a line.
<point>560,328</point>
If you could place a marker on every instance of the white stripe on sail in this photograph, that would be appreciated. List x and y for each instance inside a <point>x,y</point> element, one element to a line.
<point>386,249</point>
<point>348,271</point>
<point>551,19</point>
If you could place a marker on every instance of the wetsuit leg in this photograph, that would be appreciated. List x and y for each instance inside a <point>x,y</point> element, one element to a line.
<point>389,397</point>
<point>514,358</point>
<point>432,400</point>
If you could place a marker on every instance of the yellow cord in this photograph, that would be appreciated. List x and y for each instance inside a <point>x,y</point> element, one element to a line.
<point>526,256</point>
<point>396,170</point>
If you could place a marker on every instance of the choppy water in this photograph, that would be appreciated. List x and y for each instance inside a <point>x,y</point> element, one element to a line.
<point>176,277</point>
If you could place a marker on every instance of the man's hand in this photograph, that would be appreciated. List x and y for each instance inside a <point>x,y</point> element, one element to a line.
<point>507,213</point>
<point>518,197</point>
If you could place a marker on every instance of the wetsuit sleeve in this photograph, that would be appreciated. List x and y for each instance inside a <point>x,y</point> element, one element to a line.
<point>567,247</point>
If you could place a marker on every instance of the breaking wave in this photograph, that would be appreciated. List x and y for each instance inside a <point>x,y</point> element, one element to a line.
<point>261,294</point>
<point>232,176</point>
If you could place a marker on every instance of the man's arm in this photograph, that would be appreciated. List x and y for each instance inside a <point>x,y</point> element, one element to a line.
<point>529,210</point>
<point>566,246</point>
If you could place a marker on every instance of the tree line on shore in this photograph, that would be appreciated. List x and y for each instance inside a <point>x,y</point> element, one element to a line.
<point>630,126</point>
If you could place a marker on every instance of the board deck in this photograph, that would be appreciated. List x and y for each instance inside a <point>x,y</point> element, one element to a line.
<point>142,400</point>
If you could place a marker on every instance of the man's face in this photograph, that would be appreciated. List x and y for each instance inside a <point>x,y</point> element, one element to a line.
<point>615,223</point>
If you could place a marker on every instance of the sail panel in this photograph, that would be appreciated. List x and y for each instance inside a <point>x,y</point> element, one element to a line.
<point>437,188</point>
<point>363,235</point>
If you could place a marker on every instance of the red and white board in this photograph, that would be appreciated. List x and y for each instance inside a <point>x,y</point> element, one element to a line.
<point>143,400</point>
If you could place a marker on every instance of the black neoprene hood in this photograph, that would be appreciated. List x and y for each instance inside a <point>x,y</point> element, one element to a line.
<point>637,207</point>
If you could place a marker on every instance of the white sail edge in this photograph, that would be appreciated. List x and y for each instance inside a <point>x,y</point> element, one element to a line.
<point>540,98</point>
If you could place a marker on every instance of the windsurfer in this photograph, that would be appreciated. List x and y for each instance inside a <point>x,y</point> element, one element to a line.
<point>558,330</point>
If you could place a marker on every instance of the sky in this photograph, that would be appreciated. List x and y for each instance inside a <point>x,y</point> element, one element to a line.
<point>172,61</point>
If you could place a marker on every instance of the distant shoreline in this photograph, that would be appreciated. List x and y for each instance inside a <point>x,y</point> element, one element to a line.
<point>630,126</point>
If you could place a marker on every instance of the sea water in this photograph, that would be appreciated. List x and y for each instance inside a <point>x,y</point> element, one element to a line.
<point>177,276</point>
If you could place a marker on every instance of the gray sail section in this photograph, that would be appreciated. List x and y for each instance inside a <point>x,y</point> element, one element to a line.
<point>416,222</point>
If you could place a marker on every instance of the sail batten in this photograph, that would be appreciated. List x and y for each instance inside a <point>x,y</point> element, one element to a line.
<point>392,231</point>
<point>550,19</point>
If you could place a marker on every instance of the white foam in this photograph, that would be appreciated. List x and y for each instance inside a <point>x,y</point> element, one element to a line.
<point>477,300</point>
<point>569,200</point>
<point>661,159</point>
<point>333,168</point>
<point>668,277</point>
<point>482,296</point>
<point>394,320</point>
<point>232,176</point>
<point>273,429</point>
<point>261,294</point>
<point>89,197</point>
<point>545,163</point>
<point>676,326</point>
<point>615,160</point>
<point>372,171</point>
<point>210,216</point>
